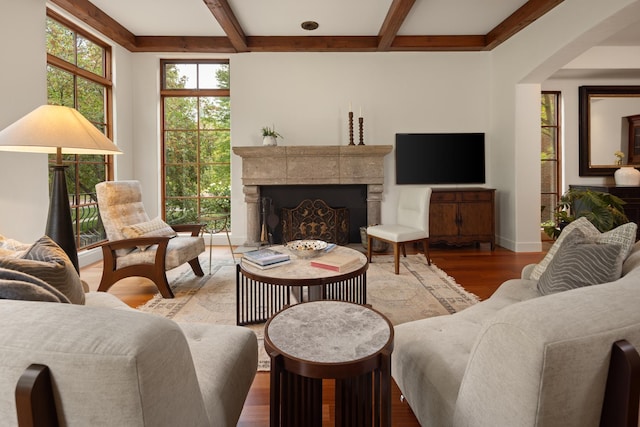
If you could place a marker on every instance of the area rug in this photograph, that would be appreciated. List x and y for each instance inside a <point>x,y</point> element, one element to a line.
<point>418,292</point>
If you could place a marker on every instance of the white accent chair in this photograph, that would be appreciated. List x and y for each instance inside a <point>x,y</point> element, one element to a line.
<point>412,224</point>
<point>120,205</point>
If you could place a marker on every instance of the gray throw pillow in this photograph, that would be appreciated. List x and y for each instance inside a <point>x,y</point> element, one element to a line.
<point>624,235</point>
<point>48,262</point>
<point>21,286</point>
<point>581,262</point>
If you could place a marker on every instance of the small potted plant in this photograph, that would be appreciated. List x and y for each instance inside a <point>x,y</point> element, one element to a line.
<point>269,135</point>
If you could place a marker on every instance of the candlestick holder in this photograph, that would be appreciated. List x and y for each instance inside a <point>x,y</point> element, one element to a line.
<point>361,126</point>
<point>351,128</point>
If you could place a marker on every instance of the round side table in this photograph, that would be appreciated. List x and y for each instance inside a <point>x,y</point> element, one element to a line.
<point>327,339</point>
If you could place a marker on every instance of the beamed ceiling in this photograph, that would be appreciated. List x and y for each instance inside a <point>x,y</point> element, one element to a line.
<point>233,26</point>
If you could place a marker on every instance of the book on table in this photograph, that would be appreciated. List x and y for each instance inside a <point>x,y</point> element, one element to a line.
<point>336,262</point>
<point>265,256</point>
<point>267,266</point>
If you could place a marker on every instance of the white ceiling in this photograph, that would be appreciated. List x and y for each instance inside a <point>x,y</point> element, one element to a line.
<point>283,17</point>
<point>335,17</point>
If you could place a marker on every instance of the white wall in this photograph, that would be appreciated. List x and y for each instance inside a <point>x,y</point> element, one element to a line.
<point>520,66</point>
<point>24,193</point>
<point>306,96</point>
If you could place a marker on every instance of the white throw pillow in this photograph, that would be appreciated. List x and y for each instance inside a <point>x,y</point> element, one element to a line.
<point>153,228</point>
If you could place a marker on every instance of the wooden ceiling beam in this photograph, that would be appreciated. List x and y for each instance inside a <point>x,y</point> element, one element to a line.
<point>96,18</point>
<point>395,17</point>
<point>229,23</point>
<point>525,15</point>
<point>312,43</point>
<point>438,43</point>
<point>237,41</point>
<point>183,44</point>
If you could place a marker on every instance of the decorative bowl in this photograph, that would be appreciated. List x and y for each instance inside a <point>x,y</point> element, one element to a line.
<point>306,248</point>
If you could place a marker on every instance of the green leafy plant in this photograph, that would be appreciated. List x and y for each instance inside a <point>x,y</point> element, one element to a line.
<point>271,131</point>
<point>605,211</point>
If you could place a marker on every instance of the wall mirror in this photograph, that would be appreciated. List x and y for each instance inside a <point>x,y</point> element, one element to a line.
<point>609,121</point>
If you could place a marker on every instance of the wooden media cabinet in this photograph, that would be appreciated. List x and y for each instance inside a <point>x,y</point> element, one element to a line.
<point>459,216</point>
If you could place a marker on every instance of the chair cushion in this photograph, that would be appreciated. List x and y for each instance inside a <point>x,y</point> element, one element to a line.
<point>396,233</point>
<point>49,263</point>
<point>153,228</point>
<point>179,250</point>
<point>120,204</point>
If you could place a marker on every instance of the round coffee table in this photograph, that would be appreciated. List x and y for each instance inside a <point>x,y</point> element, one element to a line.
<point>262,293</point>
<point>338,340</point>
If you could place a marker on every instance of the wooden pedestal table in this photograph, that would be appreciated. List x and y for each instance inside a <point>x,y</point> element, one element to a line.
<point>338,340</point>
<point>262,293</point>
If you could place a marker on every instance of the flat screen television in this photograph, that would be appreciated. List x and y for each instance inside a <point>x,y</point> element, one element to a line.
<point>440,158</point>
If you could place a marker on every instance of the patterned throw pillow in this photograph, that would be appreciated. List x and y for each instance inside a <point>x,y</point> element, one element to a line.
<point>624,235</point>
<point>581,262</point>
<point>49,263</point>
<point>21,286</point>
<point>154,228</point>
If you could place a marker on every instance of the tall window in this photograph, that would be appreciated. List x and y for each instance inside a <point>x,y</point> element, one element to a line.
<point>550,155</point>
<point>196,139</point>
<point>79,76</point>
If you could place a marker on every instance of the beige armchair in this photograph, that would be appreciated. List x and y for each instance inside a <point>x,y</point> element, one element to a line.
<point>412,224</point>
<point>139,246</point>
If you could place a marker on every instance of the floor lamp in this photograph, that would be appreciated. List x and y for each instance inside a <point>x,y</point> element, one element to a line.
<point>54,129</point>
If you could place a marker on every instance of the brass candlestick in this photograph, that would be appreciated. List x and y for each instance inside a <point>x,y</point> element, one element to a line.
<point>351,128</point>
<point>361,126</point>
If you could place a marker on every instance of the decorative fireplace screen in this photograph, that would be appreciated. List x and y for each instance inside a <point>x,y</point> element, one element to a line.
<point>314,219</point>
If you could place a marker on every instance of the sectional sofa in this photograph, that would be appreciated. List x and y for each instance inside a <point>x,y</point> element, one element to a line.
<point>111,365</point>
<point>536,353</point>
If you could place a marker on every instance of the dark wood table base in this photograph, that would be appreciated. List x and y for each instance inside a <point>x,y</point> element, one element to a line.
<point>257,300</point>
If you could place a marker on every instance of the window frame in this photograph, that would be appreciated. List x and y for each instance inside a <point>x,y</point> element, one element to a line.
<point>177,93</point>
<point>557,133</point>
<point>77,205</point>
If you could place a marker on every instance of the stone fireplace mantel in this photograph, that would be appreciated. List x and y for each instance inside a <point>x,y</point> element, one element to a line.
<point>311,165</point>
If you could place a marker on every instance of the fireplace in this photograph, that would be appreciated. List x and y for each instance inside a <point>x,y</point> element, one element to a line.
<point>328,167</point>
<point>352,197</point>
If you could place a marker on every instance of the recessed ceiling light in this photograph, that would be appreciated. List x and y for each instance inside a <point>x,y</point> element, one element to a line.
<point>309,25</point>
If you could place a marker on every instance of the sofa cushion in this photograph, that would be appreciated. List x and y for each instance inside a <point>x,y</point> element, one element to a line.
<point>624,235</point>
<point>581,262</point>
<point>49,263</point>
<point>17,285</point>
<point>153,228</point>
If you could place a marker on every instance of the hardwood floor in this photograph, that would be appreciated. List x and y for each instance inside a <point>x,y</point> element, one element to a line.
<point>477,269</point>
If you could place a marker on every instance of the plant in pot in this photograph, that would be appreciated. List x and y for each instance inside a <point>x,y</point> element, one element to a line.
<point>269,135</point>
<point>605,211</point>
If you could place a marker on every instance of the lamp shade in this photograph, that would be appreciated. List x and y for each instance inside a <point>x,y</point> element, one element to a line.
<point>51,127</point>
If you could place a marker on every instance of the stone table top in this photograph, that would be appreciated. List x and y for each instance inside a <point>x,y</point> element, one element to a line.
<point>329,331</point>
<point>301,268</point>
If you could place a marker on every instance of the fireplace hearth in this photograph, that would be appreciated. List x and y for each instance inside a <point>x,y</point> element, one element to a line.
<point>299,167</point>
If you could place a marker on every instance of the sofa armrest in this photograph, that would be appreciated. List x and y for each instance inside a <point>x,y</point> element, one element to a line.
<point>531,352</point>
<point>527,270</point>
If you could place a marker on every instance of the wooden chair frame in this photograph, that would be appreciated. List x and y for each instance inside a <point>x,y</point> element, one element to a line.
<point>156,272</point>
<point>397,246</point>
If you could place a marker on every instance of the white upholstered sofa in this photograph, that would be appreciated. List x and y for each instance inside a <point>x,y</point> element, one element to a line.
<point>521,358</point>
<point>111,365</point>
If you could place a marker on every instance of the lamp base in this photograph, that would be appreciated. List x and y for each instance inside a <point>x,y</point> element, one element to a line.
<point>59,226</point>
